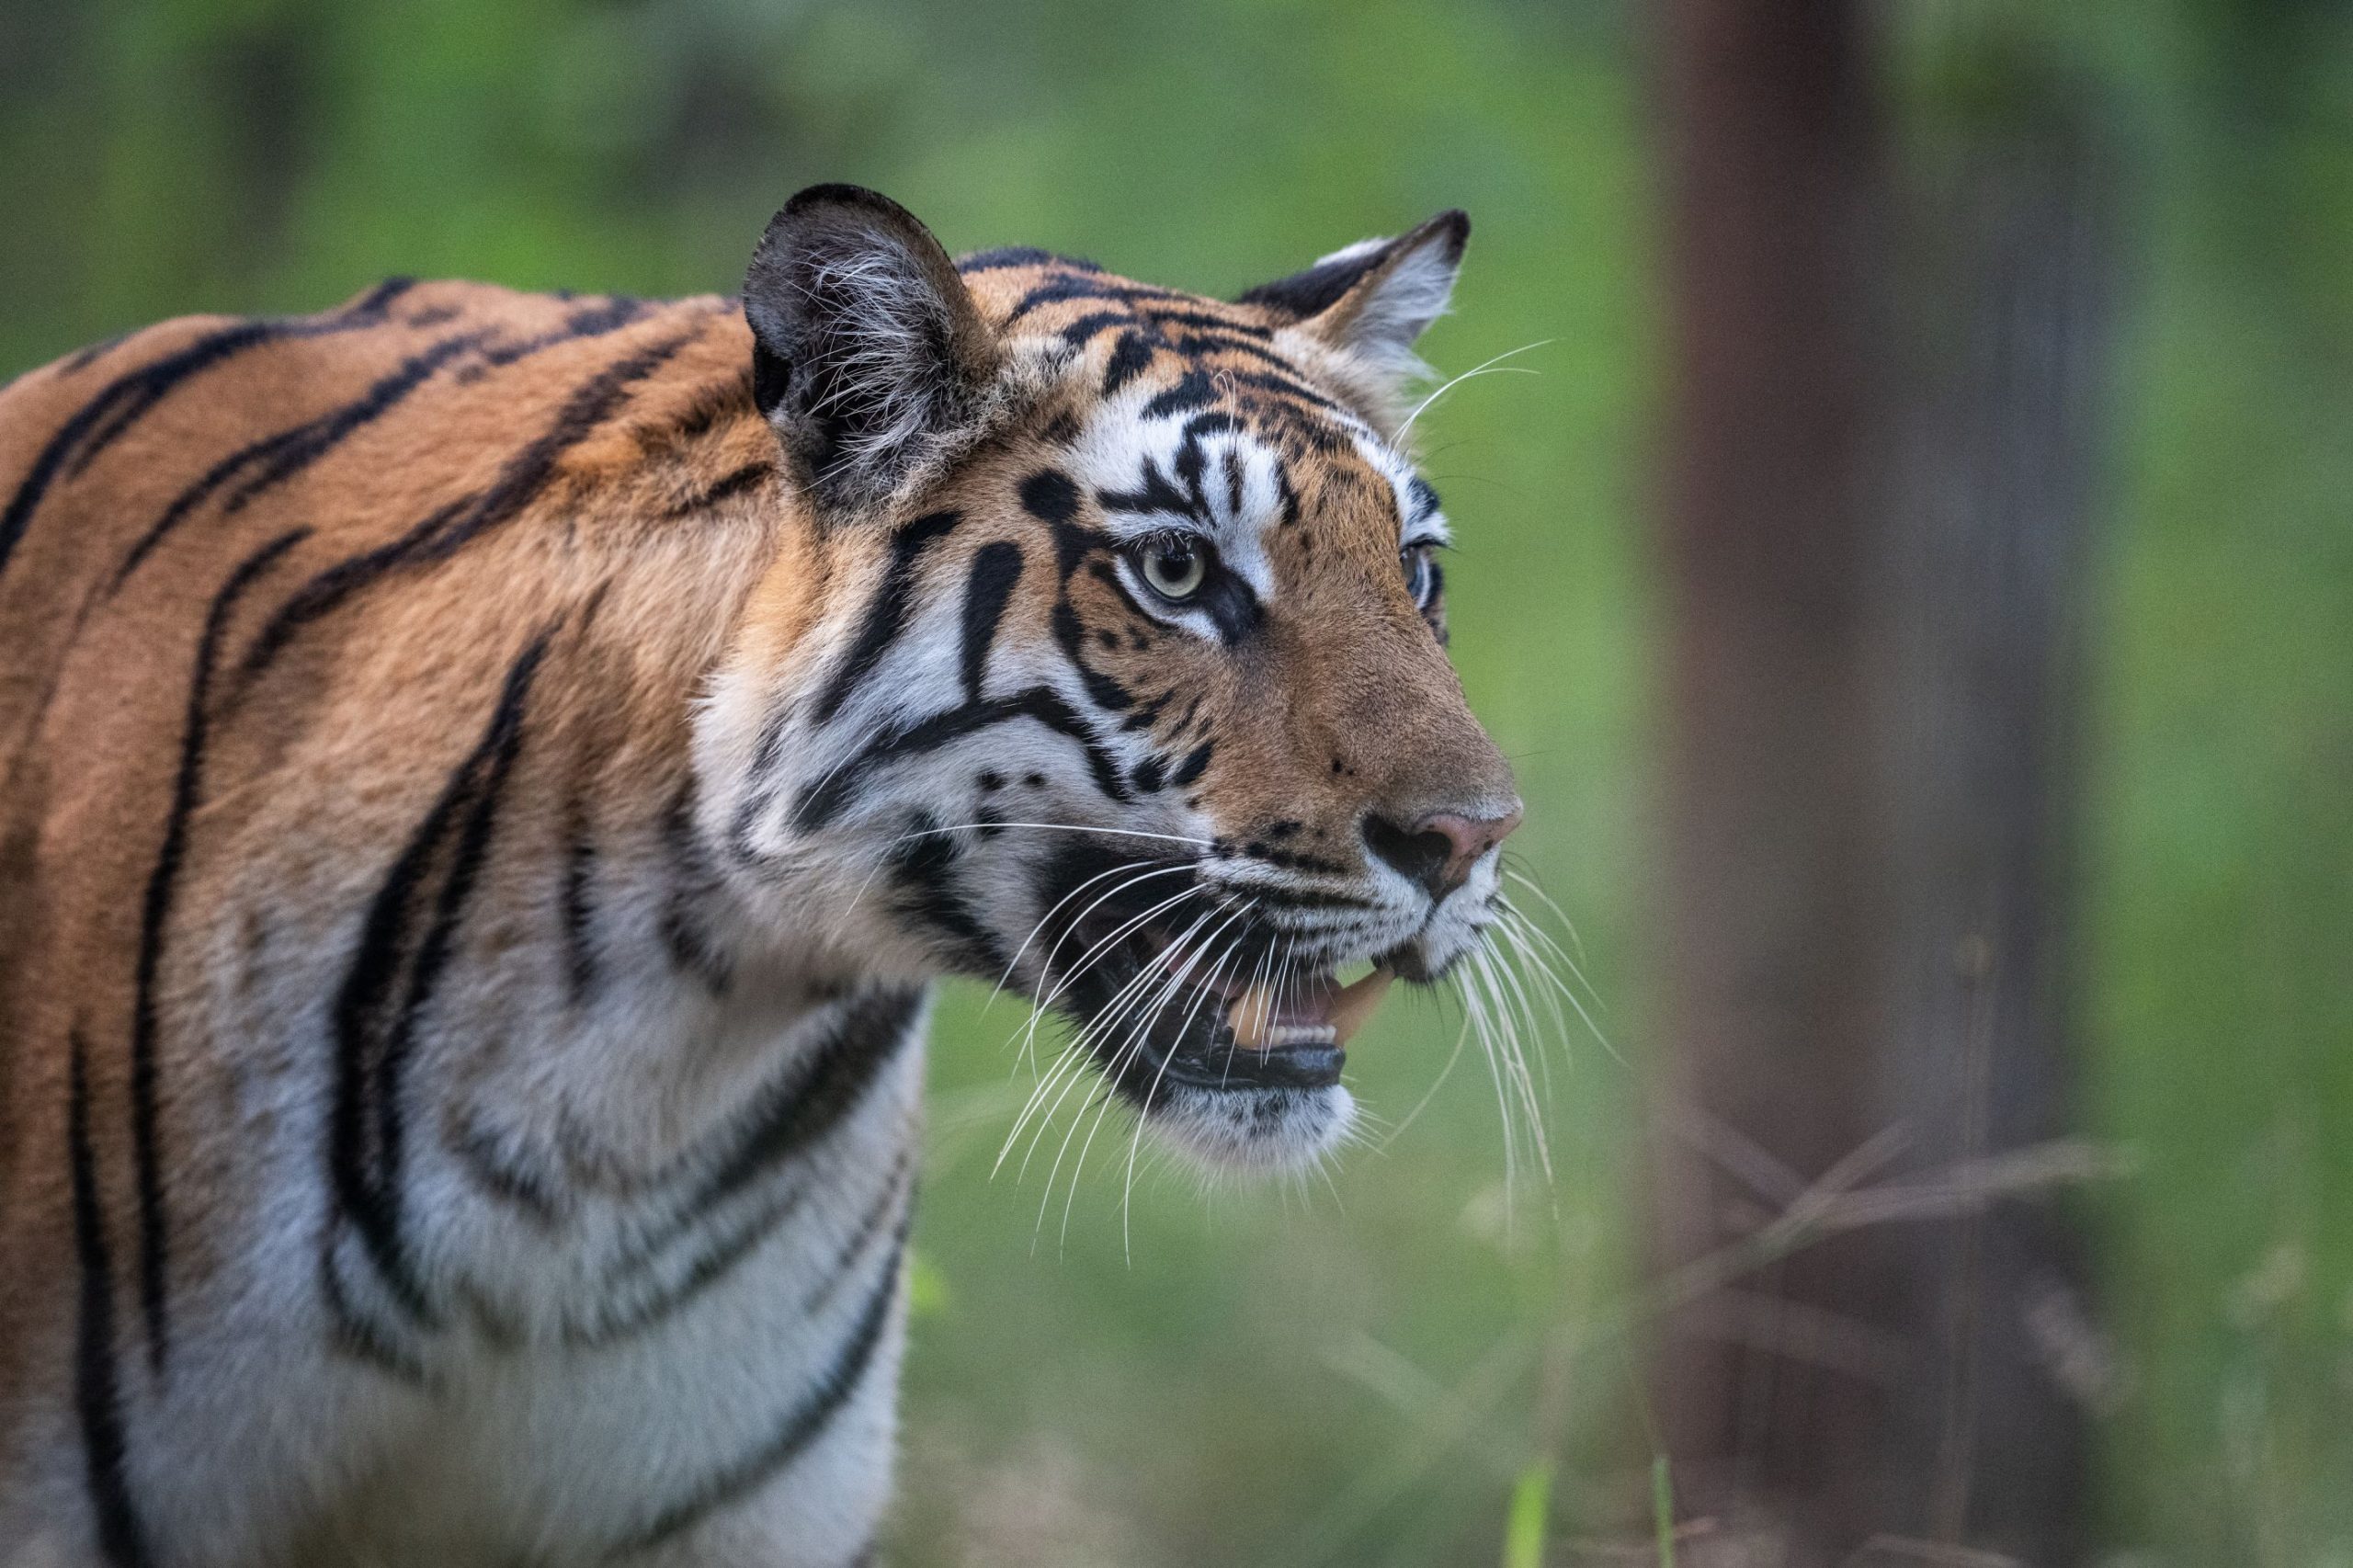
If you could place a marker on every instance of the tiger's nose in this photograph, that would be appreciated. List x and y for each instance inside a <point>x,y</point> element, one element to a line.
<point>1439,850</point>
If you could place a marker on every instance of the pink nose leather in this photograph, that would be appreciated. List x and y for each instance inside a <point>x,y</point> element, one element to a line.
<point>1439,850</point>
<point>1467,838</point>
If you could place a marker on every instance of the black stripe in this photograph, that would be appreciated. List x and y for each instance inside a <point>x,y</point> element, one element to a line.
<point>898,1184</point>
<point>1424,498</point>
<point>1193,764</point>
<point>1022,255</point>
<point>1065,288</point>
<point>365,312</point>
<point>355,1334</point>
<point>329,588</point>
<point>1149,715</point>
<point>374,1034</point>
<point>1153,494</point>
<point>1050,496</point>
<point>923,873</point>
<point>996,567</point>
<point>502,1177</point>
<point>887,616</point>
<point>711,1266</point>
<point>450,529</point>
<point>1130,356</point>
<point>1212,323</point>
<point>1087,328</point>
<point>873,1030</point>
<point>82,358</point>
<point>1286,386</point>
<point>155,914</point>
<point>96,1391</point>
<point>1044,704</point>
<point>574,902</point>
<point>305,444</point>
<point>1194,389</point>
<point>188,500</point>
<point>589,321</point>
<point>807,1421</point>
<point>748,477</point>
<point>683,933</point>
<point>807,1104</point>
<point>1101,690</point>
<point>1196,344</point>
<point>122,402</point>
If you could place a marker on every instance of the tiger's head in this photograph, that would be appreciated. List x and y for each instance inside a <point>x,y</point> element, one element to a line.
<point>1104,656</point>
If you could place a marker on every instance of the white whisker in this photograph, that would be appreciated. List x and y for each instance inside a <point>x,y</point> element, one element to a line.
<point>1483,367</point>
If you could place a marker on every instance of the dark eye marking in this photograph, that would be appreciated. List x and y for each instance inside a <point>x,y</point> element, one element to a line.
<point>1232,607</point>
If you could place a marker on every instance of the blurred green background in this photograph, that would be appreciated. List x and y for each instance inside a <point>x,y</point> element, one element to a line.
<point>1361,1369</point>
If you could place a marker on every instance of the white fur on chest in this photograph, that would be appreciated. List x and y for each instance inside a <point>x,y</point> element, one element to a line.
<point>660,1245</point>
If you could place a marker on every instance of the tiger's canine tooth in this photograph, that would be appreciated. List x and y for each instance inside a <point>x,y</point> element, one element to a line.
<point>1356,1004</point>
<point>1253,1021</point>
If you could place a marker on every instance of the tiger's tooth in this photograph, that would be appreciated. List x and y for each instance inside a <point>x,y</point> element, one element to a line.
<point>1356,1003</point>
<point>1252,1019</point>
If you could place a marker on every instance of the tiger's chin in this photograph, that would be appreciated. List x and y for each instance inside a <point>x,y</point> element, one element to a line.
<point>1253,1130</point>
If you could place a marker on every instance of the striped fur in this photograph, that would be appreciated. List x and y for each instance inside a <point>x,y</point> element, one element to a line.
<point>482,791</point>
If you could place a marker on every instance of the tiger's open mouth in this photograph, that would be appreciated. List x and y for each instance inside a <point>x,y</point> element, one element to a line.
<point>1156,1012</point>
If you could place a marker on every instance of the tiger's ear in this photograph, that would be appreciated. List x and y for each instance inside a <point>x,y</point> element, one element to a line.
<point>869,356</point>
<point>1373,299</point>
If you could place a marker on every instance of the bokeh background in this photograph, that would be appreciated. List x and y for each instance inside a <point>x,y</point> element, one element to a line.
<point>1416,1359</point>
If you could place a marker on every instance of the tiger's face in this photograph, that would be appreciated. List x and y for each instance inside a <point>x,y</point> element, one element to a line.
<point>1109,663</point>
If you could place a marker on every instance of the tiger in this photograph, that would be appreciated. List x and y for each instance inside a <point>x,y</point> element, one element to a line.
<point>493,778</point>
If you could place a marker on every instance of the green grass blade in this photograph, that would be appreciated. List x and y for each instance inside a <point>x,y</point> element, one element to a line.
<point>1529,1515</point>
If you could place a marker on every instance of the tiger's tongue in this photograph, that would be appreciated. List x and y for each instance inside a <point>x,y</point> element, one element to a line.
<point>1261,1020</point>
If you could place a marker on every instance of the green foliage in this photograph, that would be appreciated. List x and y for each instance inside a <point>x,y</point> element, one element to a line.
<point>1342,1372</point>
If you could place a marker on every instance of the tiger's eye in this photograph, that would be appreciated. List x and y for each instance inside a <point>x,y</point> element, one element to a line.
<point>1174,568</point>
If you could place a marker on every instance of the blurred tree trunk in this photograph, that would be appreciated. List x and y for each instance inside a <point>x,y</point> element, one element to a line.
<point>1879,454</point>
